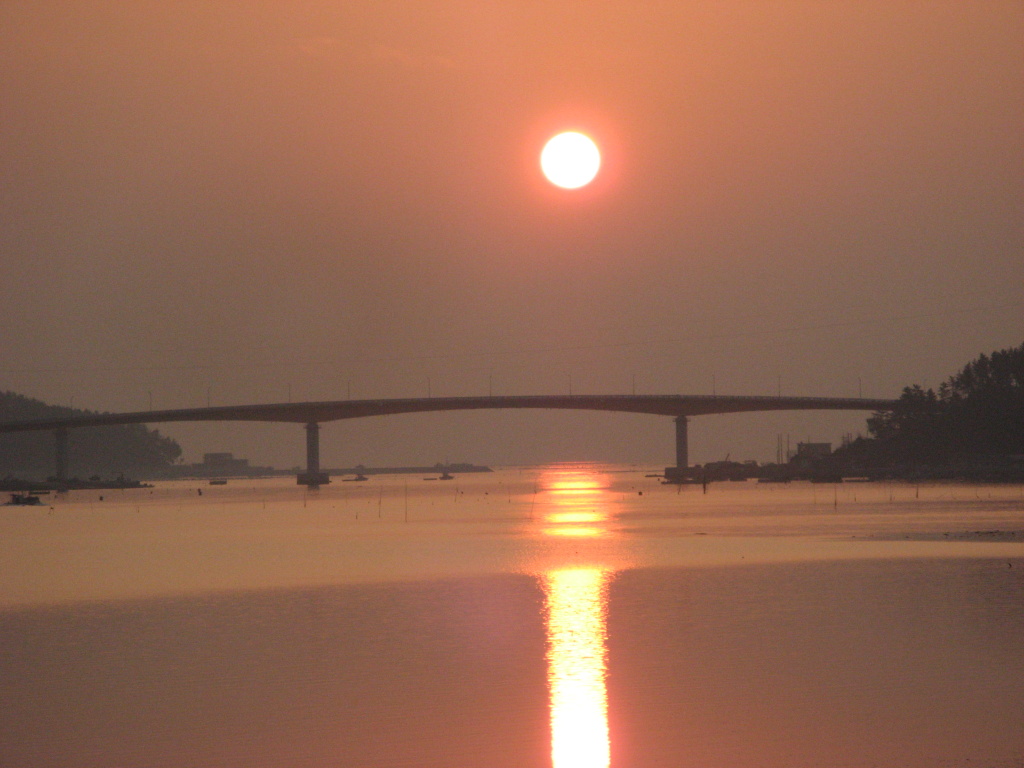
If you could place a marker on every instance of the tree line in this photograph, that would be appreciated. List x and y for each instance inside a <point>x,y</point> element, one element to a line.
<point>129,449</point>
<point>974,419</point>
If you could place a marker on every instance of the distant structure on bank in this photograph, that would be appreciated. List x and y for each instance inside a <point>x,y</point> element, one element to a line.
<point>220,464</point>
<point>811,451</point>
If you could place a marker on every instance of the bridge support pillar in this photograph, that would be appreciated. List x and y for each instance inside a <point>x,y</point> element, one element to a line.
<point>313,477</point>
<point>60,441</point>
<point>681,470</point>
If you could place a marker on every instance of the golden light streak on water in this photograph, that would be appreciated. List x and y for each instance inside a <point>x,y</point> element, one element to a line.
<point>577,501</point>
<point>577,656</point>
<point>577,505</point>
<point>575,517</point>
<point>578,531</point>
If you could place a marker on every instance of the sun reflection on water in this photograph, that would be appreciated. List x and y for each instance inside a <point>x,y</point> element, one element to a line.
<point>577,501</point>
<point>577,667</point>
<point>576,611</point>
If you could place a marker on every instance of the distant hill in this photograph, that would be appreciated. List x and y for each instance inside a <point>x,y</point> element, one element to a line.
<point>132,450</point>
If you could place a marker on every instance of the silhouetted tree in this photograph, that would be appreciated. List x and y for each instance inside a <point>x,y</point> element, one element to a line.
<point>976,413</point>
<point>915,429</point>
<point>985,401</point>
<point>131,449</point>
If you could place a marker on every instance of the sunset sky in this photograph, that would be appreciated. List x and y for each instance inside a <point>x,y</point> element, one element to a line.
<point>246,202</point>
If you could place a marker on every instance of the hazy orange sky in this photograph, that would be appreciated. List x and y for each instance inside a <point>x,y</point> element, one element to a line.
<point>243,201</point>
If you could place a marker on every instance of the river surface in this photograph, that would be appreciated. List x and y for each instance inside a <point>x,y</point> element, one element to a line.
<point>570,616</point>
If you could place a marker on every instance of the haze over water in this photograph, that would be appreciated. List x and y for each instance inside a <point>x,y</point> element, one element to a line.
<point>209,203</point>
<point>566,616</point>
<point>213,202</point>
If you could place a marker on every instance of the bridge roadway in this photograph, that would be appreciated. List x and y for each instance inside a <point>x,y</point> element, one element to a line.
<point>312,414</point>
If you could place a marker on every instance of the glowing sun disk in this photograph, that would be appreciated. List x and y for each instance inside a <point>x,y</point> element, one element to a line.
<point>570,160</point>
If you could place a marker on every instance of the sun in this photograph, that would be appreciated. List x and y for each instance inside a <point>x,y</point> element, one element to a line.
<point>570,160</point>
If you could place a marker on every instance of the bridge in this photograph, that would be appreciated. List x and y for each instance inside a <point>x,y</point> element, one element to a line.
<point>312,414</point>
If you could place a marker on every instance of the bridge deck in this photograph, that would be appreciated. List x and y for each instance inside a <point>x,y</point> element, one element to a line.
<point>334,410</point>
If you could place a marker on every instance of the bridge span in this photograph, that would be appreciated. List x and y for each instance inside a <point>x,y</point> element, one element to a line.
<point>312,414</point>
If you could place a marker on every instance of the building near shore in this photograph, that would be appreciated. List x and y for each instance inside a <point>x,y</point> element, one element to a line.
<point>221,464</point>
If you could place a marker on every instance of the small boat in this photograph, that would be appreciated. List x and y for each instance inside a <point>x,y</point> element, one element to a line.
<point>355,479</point>
<point>218,481</point>
<point>24,500</point>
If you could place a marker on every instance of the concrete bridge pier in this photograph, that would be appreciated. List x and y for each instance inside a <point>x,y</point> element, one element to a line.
<point>313,477</point>
<point>681,470</point>
<point>60,441</point>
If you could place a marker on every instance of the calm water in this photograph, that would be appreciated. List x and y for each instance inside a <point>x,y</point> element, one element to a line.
<point>569,616</point>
